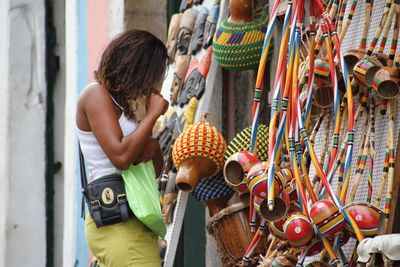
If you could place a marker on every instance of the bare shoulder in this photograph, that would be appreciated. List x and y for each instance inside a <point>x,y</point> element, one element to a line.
<point>93,104</point>
<point>93,93</point>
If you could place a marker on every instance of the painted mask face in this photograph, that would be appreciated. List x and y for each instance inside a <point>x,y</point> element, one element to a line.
<point>191,88</point>
<point>210,25</point>
<point>182,64</point>
<point>186,28</point>
<point>184,37</point>
<point>198,35</point>
<point>175,89</point>
<point>173,36</point>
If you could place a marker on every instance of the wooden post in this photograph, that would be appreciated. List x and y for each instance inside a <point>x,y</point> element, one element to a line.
<point>393,219</point>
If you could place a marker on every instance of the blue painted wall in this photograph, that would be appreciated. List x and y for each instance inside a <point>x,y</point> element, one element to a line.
<point>81,247</point>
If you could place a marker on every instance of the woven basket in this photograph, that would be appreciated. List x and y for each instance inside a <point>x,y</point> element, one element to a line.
<point>241,142</point>
<point>200,140</point>
<point>239,46</point>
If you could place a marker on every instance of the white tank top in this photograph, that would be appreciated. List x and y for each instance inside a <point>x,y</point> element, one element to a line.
<point>97,163</point>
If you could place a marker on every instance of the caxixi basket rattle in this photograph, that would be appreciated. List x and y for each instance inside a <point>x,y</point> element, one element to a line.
<point>231,230</point>
<point>214,193</point>
<point>198,153</point>
<point>241,142</point>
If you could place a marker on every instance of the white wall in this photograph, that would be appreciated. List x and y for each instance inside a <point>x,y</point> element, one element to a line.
<point>70,158</point>
<point>22,139</point>
<point>115,17</point>
<point>4,168</point>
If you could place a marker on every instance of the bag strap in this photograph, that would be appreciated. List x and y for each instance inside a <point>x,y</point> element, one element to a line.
<point>83,180</point>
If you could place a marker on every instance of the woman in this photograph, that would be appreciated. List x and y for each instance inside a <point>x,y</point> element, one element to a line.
<point>113,135</point>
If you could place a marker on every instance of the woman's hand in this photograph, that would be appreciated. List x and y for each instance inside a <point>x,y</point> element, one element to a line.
<point>156,105</point>
<point>152,151</point>
<point>151,148</point>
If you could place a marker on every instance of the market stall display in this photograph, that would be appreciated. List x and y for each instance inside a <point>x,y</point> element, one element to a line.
<point>302,192</point>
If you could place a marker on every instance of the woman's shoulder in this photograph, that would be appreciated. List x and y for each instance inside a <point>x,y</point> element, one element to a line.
<point>94,92</point>
<point>94,88</point>
<point>94,103</point>
<point>94,98</point>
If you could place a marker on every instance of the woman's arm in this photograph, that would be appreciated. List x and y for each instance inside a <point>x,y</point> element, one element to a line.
<point>158,160</point>
<point>96,112</point>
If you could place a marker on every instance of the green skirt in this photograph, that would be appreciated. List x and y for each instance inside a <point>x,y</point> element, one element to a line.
<point>128,243</point>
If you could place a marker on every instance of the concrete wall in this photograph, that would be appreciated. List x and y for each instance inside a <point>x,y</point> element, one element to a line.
<point>23,225</point>
<point>147,15</point>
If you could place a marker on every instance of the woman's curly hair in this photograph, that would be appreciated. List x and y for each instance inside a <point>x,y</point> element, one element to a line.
<point>131,66</point>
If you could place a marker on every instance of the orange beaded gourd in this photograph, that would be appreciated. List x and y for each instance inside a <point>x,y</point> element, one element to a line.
<point>198,153</point>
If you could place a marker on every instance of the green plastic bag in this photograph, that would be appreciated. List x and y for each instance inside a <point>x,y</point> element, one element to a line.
<point>143,195</point>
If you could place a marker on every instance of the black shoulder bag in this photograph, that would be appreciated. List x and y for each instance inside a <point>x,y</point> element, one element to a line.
<point>105,197</point>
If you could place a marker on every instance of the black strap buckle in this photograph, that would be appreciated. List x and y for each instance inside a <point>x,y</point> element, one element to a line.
<point>95,204</point>
<point>121,198</point>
